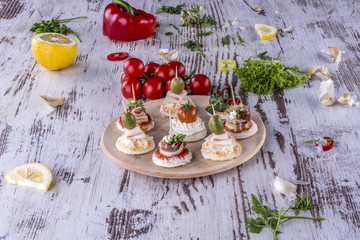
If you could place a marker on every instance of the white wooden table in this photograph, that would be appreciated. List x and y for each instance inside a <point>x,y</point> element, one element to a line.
<point>92,198</point>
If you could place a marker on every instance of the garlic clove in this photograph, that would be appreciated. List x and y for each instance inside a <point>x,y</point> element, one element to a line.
<point>335,54</point>
<point>225,25</point>
<point>169,55</point>
<point>234,21</point>
<point>243,28</point>
<point>327,92</point>
<point>325,71</point>
<point>53,101</point>
<point>284,187</point>
<point>257,8</point>
<point>327,100</point>
<point>313,69</point>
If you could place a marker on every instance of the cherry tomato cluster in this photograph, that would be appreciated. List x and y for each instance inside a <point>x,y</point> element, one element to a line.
<point>153,80</point>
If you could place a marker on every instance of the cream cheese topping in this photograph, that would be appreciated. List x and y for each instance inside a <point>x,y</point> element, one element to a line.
<point>187,128</point>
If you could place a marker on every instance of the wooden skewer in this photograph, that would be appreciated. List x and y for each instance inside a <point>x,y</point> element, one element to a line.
<point>213,109</point>
<point>133,92</point>
<point>170,121</point>
<point>123,103</point>
<point>176,74</point>
<point>233,96</point>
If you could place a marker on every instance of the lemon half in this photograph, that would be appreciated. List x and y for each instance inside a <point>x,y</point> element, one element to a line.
<point>35,175</point>
<point>53,51</point>
<point>265,31</point>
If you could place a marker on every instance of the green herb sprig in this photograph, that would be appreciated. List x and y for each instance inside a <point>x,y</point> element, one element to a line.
<point>171,9</point>
<point>187,77</point>
<point>202,34</point>
<point>194,45</point>
<point>274,218</point>
<point>192,17</point>
<point>241,41</point>
<point>176,28</point>
<point>176,138</point>
<point>226,40</point>
<point>316,140</point>
<point>55,26</point>
<point>133,103</point>
<point>168,33</point>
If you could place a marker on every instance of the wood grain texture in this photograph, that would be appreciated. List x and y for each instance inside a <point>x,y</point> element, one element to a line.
<point>91,198</point>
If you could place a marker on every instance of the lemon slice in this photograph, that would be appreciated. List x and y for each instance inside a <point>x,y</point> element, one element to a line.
<point>53,51</point>
<point>226,65</point>
<point>35,175</point>
<point>265,31</point>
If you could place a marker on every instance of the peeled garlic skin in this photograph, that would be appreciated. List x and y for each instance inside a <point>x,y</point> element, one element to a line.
<point>284,187</point>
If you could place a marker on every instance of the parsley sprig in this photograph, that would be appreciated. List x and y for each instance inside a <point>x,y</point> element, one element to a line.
<point>171,9</point>
<point>274,218</point>
<point>264,56</point>
<point>192,17</point>
<point>55,26</point>
<point>176,138</point>
<point>194,45</point>
<point>226,40</point>
<point>176,28</point>
<point>202,34</point>
<point>241,41</point>
<point>133,103</point>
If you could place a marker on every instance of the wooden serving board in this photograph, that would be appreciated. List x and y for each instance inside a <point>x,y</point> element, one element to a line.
<point>199,166</point>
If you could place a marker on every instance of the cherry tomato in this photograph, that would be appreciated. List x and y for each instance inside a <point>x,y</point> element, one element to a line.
<point>126,88</point>
<point>328,146</point>
<point>153,88</point>
<point>180,68</point>
<point>187,114</point>
<point>200,84</point>
<point>117,56</point>
<point>124,78</point>
<point>168,83</point>
<point>150,69</point>
<point>134,68</point>
<point>230,101</point>
<point>164,72</point>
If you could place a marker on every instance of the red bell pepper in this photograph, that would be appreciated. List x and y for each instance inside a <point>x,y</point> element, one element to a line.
<point>124,23</point>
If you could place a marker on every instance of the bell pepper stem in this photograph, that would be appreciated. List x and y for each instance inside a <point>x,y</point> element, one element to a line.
<point>125,5</point>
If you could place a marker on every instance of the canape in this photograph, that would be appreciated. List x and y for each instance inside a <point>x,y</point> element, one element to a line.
<point>175,97</point>
<point>172,152</point>
<point>134,141</point>
<point>143,119</point>
<point>219,146</point>
<point>188,123</point>
<point>238,124</point>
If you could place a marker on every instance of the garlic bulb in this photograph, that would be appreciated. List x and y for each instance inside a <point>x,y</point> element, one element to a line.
<point>284,187</point>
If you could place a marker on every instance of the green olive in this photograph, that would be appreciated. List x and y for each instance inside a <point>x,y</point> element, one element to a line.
<point>216,124</point>
<point>177,85</point>
<point>128,120</point>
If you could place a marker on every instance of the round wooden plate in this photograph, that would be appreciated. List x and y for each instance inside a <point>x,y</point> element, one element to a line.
<point>199,166</point>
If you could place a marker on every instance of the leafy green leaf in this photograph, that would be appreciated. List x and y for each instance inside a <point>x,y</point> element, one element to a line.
<point>171,9</point>
<point>262,77</point>
<point>177,138</point>
<point>264,56</point>
<point>168,33</point>
<point>133,103</point>
<point>192,17</point>
<point>220,107</point>
<point>261,209</point>
<point>209,109</point>
<point>256,225</point>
